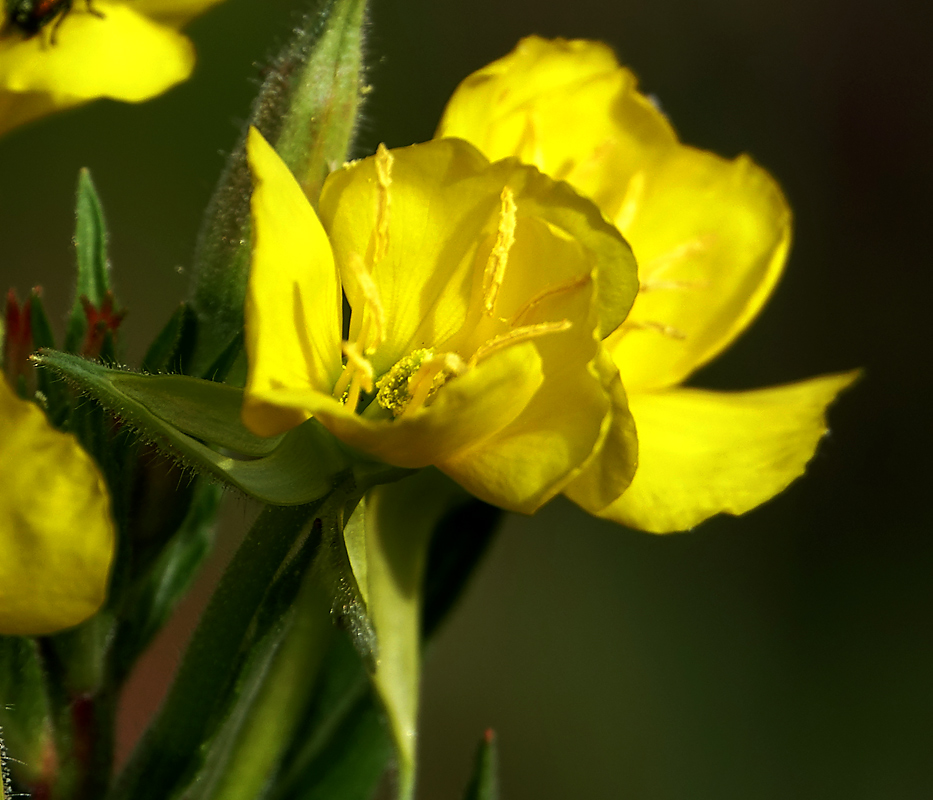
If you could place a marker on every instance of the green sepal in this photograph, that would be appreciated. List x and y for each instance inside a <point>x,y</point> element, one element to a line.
<point>344,745</point>
<point>484,784</point>
<point>93,280</point>
<point>307,108</point>
<point>388,540</point>
<point>185,416</point>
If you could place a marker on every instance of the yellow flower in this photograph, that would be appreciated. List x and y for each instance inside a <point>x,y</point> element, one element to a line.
<point>710,236</point>
<point>479,293</point>
<point>122,49</point>
<point>56,533</point>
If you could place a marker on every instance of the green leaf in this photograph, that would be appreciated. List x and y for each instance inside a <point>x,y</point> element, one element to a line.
<point>186,415</point>
<point>230,359</point>
<point>93,281</point>
<point>352,763</point>
<point>168,578</point>
<point>307,108</point>
<point>484,784</point>
<point>169,351</point>
<point>278,685</point>
<point>27,722</point>
<point>387,541</point>
<point>53,389</point>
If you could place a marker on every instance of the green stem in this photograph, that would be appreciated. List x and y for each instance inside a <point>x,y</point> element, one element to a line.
<point>170,752</point>
<point>281,682</point>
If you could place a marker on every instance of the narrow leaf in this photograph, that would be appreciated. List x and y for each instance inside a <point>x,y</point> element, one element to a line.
<point>93,280</point>
<point>186,415</point>
<point>484,784</point>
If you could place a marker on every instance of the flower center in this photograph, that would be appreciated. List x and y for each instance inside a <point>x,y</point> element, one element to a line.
<point>415,379</point>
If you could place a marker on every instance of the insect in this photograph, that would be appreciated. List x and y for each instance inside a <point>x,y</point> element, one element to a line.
<point>31,16</point>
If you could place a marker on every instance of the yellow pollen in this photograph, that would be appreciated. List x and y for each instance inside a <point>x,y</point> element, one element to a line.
<point>415,379</point>
<point>499,256</point>
<point>551,291</point>
<point>516,336</point>
<point>384,162</point>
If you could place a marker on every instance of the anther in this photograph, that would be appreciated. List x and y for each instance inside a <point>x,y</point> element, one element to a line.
<point>384,161</point>
<point>499,256</point>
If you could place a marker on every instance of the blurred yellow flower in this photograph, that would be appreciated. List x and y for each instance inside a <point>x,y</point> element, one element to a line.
<point>479,294</point>
<point>122,49</point>
<point>56,533</point>
<point>710,236</point>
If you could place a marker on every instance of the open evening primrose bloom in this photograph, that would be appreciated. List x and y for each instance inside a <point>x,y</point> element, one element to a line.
<point>710,236</point>
<point>56,533</point>
<point>127,50</point>
<point>479,293</point>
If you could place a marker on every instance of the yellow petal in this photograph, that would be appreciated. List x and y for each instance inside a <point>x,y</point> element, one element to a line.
<point>566,107</point>
<point>442,213</point>
<point>530,460</point>
<point>122,55</point>
<point>611,467</point>
<point>293,304</point>
<point>437,208</point>
<point>468,409</point>
<point>711,237</point>
<point>56,534</point>
<point>703,453</point>
<point>173,12</point>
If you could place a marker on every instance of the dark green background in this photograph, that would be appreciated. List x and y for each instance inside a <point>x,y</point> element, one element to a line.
<point>784,654</point>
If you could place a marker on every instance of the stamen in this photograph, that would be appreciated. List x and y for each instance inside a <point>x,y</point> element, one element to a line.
<point>651,285</point>
<point>372,330</point>
<point>499,256</point>
<point>551,291</point>
<point>423,385</point>
<point>516,336</point>
<point>357,376</point>
<point>648,325</point>
<point>666,260</point>
<point>384,162</point>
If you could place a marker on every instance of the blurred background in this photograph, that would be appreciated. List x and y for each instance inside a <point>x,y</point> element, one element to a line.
<point>788,653</point>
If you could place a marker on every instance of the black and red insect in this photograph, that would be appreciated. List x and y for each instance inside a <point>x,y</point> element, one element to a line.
<point>31,16</point>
